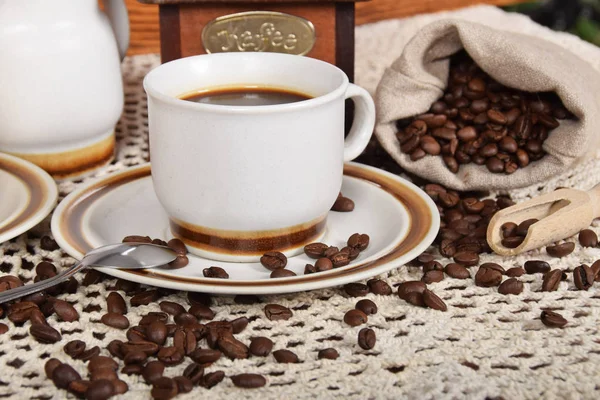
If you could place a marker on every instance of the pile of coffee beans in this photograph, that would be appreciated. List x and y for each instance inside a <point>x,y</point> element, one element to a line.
<point>480,121</point>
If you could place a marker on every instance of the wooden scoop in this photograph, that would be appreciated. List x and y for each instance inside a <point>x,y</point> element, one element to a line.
<point>561,214</point>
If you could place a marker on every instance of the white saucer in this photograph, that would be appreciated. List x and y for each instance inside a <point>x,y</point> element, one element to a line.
<point>28,196</point>
<point>400,219</point>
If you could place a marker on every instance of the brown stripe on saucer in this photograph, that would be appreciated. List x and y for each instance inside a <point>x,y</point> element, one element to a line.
<point>248,243</point>
<point>420,220</point>
<point>38,196</point>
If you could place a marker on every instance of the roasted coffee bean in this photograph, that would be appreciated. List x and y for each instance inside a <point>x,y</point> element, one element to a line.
<point>179,262</point>
<point>355,317</point>
<point>135,357</point>
<point>249,381</point>
<point>488,277</point>
<point>273,260</point>
<point>466,258</point>
<point>457,271</point>
<point>315,250</point>
<point>89,354</point>
<point>309,269</point>
<point>367,306</point>
<point>523,227</point>
<point>102,362</point>
<point>201,312</point>
<point>74,348</point>
<point>115,303</point>
<point>551,280</point>
<point>120,386</point>
<point>356,289</point>
<point>8,282</point>
<point>63,375</point>
<point>137,239</point>
<point>232,347</point>
<point>416,299</point>
<point>107,374</point>
<point>144,298</point>
<point>588,238</point>
<point>217,330</point>
<point>92,277</point>
<point>344,204</point>
<point>510,286</point>
<point>329,354</point>
<point>156,332</point>
<point>323,264</point>
<point>366,338</point>
<point>114,348</point>
<point>154,316</point>
<point>359,241</point>
<point>560,250</point>
<point>50,366</point>
<point>79,387</point>
<point>512,242</point>
<point>132,369</point>
<point>261,346</point>
<point>553,319</point>
<point>194,372</point>
<point>282,273</point>
<point>239,324</point>
<point>583,277</point>
<point>205,357</point>
<point>3,328</point>
<point>65,311</point>
<point>408,287</point>
<point>185,319</point>
<point>49,244</point>
<point>433,276</point>
<point>199,298</point>
<point>100,390</point>
<point>212,378</point>
<point>276,312</point>
<point>178,246</point>
<point>352,252</point>
<point>596,270</point>
<point>379,287</point>
<point>285,356</point>
<point>170,355</point>
<point>171,308</point>
<point>115,320</point>
<point>185,340</point>
<point>37,317</point>
<point>184,385</point>
<point>149,348</point>
<point>153,371</point>
<point>494,266</point>
<point>515,272</point>
<point>432,266</point>
<point>215,272</point>
<point>44,333</point>
<point>164,388</point>
<point>340,259</point>
<point>433,301</point>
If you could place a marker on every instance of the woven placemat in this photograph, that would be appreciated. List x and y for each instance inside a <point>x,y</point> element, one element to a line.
<point>486,345</point>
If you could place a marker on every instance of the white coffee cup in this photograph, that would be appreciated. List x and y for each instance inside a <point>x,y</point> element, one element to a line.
<point>238,181</point>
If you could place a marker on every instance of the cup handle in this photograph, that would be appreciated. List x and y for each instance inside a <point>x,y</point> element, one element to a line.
<point>362,124</point>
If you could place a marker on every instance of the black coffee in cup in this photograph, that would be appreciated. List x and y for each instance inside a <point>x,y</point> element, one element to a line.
<point>246,96</point>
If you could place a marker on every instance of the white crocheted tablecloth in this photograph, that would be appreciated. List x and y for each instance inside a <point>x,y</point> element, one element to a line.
<point>486,345</point>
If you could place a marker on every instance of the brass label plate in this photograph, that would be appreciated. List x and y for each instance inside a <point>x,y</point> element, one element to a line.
<point>259,31</point>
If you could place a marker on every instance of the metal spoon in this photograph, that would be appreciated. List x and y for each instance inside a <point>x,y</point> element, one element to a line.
<point>122,255</point>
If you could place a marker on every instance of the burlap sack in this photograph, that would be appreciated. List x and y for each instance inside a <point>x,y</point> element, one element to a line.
<point>419,76</point>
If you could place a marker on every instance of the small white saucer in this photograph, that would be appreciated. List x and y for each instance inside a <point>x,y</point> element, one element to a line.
<point>28,196</point>
<point>400,219</point>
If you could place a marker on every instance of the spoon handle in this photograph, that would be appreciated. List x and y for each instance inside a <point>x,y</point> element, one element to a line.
<point>21,291</point>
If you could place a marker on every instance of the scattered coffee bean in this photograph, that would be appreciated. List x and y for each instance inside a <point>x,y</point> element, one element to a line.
<point>551,280</point>
<point>49,244</point>
<point>153,371</point>
<point>202,312</point>
<point>115,303</point>
<point>273,260</point>
<point>359,241</point>
<point>215,272</point>
<point>282,273</point>
<point>433,276</point>
<point>184,340</point>
<point>184,385</point>
<point>185,319</point>
<point>315,250</point>
<point>596,270</point>
<point>115,320</point>
<point>239,324</point>
<point>3,328</point>
<point>342,204</point>
<point>560,250</point>
<point>194,372</point>
<point>212,378</point>
<point>285,356</point>
<point>63,375</point>
<point>195,298</point>
<point>536,266</point>
<point>179,262</point>
<point>65,311</point>
<point>331,251</point>
<point>102,362</point>
<point>512,242</point>
<point>553,319</point>
<point>379,287</point>
<point>249,381</point>
<point>205,357</point>
<point>523,227</point>
<point>147,347</point>
<point>171,308</point>
<point>50,366</point>
<point>89,354</point>
<point>510,286</point>
<point>340,259</point>
<point>144,298</point>
<point>276,312</point>
<point>137,239</point>
<point>20,312</point>
<point>355,317</point>
<point>583,277</point>
<point>457,271</point>
<point>356,289</point>
<point>232,348</point>
<point>135,357</point>
<point>467,258</point>
<point>366,338</point>
<point>508,229</point>
<point>170,355</point>
<point>74,348</point>
<point>515,272</point>
<point>8,282</point>
<point>309,269</point>
<point>79,387</point>
<point>433,301</point>
<point>367,306</point>
<point>432,266</point>
<point>406,288</point>
<point>588,238</point>
<point>164,388</point>
<point>44,333</point>
<point>120,386</point>
<point>157,332</point>
<point>329,354</point>
<point>488,277</point>
<point>178,246</point>
<point>261,346</point>
<point>323,264</point>
<point>100,390</point>
<point>132,369</point>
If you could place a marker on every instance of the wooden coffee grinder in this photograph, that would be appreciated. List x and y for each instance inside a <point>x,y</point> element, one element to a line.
<point>322,29</point>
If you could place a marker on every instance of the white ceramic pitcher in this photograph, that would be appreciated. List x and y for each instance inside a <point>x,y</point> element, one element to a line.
<point>61,92</point>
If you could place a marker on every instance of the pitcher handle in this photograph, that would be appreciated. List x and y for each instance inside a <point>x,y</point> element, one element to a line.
<point>119,20</point>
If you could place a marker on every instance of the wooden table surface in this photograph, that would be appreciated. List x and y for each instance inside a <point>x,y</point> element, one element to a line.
<point>144,18</point>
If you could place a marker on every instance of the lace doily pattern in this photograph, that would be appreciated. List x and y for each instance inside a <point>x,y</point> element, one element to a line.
<point>486,345</point>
